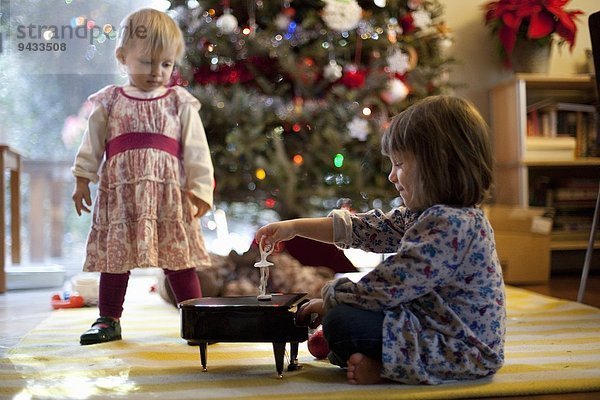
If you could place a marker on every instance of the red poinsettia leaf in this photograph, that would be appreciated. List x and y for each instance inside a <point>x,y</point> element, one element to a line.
<point>566,34</point>
<point>527,10</point>
<point>562,16</point>
<point>556,3</point>
<point>511,20</point>
<point>540,25</point>
<point>508,38</point>
<point>490,15</point>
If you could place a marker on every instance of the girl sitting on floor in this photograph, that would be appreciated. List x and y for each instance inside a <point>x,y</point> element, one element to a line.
<point>435,310</point>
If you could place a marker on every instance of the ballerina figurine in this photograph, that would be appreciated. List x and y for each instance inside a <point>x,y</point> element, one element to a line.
<point>264,265</point>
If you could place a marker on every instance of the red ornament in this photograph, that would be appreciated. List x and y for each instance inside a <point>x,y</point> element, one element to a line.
<point>289,12</point>
<point>354,78</point>
<point>237,73</point>
<point>317,345</point>
<point>408,24</point>
<point>270,202</point>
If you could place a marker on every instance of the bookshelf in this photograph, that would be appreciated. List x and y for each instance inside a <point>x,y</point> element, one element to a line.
<point>563,184</point>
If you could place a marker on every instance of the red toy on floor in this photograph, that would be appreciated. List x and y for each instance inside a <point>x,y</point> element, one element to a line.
<point>67,301</point>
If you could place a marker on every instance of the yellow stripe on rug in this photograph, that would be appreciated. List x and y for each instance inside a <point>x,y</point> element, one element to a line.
<point>553,346</point>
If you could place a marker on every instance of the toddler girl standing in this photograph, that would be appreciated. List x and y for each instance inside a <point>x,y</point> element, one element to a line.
<point>435,310</point>
<point>145,146</point>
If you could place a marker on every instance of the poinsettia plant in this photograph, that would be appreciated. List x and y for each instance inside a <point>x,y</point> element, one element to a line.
<point>530,20</point>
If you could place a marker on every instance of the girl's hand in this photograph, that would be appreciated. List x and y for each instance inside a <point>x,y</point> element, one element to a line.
<point>81,195</point>
<point>273,233</point>
<point>201,206</point>
<point>306,311</point>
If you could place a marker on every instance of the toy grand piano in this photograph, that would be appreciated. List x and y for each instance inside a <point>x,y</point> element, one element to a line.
<point>245,319</point>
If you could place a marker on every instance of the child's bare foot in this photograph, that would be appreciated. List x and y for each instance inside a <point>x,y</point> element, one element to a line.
<point>363,370</point>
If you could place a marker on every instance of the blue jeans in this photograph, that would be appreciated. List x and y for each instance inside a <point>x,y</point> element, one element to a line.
<point>350,330</point>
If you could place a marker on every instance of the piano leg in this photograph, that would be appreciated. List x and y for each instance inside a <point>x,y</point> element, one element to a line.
<point>294,366</point>
<point>202,347</point>
<point>279,351</point>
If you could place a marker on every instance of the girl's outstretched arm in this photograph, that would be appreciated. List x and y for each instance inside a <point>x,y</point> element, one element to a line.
<point>320,229</point>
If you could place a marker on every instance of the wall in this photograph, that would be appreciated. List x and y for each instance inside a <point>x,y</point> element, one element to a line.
<point>479,67</point>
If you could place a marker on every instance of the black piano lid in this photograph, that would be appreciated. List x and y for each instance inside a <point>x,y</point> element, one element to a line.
<point>246,302</point>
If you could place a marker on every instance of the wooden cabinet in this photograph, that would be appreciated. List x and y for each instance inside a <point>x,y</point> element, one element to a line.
<point>521,182</point>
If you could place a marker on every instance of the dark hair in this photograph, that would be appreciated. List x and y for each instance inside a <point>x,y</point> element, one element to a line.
<point>450,142</point>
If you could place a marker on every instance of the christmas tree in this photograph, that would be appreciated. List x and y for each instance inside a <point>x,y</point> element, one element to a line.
<point>295,94</point>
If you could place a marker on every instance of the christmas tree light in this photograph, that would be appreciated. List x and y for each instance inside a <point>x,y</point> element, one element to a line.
<point>338,160</point>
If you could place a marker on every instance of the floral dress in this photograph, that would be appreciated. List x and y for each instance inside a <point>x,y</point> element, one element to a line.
<point>442,292</point>
<point>150,153</point>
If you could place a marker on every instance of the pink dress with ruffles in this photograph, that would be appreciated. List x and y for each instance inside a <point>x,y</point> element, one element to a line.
<point>142,214</point>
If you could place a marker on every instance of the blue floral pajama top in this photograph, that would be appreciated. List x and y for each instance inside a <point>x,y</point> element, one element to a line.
<point>442,292</point>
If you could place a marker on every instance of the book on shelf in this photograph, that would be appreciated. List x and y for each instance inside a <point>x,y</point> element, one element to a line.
<point>549,119</point>
<point>550,143</point>
<point>572,201</point>
<point>550,148</point>
<point>551,104</point>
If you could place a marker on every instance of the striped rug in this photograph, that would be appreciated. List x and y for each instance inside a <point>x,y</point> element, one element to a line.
<point>553,346</point>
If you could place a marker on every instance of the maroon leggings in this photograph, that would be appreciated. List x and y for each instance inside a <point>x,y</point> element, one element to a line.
<point>185,285</point>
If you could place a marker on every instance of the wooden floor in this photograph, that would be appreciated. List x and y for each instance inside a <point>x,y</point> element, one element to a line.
<point>566,287</point>
<point>16,320</point>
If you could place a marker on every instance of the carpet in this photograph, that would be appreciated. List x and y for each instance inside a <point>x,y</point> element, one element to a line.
<point>553,346</point>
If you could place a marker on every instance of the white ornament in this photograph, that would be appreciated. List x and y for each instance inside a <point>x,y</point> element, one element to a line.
<point>342,15</point>
<point>282,22</point>
<point>399,62</point>
<point>192,4</point>
<point>359,128</point>
<point>332,71</point>
<point>444,45</point>
<point>396,91</point>
<point>421,19</point>
<point>227,23</point>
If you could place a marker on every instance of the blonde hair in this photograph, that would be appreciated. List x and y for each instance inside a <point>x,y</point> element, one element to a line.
<point>450,142</point>
<point>154,29</point>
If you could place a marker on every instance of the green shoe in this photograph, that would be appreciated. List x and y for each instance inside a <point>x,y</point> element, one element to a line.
<point>105,329</point>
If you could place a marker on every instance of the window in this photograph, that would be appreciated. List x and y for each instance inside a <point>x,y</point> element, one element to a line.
<point>53,55</point>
